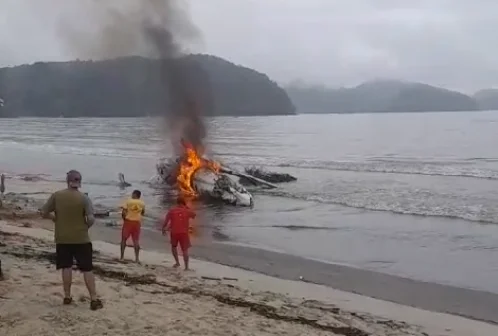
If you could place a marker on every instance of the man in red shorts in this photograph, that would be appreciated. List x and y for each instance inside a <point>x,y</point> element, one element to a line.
<point>133,210</point>
<point>177,222</point>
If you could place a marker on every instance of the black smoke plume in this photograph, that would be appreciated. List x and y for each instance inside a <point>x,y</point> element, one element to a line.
<point>186,98</point>
<point>159,29</point>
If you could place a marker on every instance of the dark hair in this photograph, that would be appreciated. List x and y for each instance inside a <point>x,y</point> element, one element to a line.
<point>73,175</point>
<point>73,179</point>
<point>180,201</point>
<point>137,193</point>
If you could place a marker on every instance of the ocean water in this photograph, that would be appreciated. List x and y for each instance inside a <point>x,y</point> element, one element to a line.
<point>414,195</point>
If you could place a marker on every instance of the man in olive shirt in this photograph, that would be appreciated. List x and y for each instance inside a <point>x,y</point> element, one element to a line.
<point>73,216</point>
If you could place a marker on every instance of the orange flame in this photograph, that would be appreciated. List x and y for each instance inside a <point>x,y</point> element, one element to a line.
<point>189,164</point>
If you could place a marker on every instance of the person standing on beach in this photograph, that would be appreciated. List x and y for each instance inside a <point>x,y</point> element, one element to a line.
<point>2,188</point>
<point>133,210</point>
<point>72,213</point>
<point>177,222</point>
<point>2,184</point>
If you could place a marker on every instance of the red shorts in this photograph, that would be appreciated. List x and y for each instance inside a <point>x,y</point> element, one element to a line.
<point>131,229</point>
<point>180,238</point>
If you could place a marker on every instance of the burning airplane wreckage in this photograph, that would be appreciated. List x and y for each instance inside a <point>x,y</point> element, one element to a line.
<point>180,89</point>
<point>197,177</point>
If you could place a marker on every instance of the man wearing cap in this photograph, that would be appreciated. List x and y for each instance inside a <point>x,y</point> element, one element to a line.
<point>72,213</point>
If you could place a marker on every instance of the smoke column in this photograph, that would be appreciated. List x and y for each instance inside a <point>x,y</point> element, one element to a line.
<point>151,28</point>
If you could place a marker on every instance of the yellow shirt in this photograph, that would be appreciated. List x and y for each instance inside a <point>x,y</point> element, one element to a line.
<point>134,208</point>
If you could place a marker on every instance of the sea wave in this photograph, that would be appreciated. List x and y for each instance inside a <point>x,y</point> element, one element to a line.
<point>91,150</point>
<point>450,169</point>
<point>418,203</point>
<point>49,178</point>
<point>398,204</point>
<point>305,227</point>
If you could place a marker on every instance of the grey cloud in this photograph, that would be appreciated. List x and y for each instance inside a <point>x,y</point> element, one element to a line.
<point>443,42</point>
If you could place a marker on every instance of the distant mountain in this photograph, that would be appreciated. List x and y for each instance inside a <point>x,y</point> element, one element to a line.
<point>379,96</point>
<point>487,99</point>
<point>131,87</point>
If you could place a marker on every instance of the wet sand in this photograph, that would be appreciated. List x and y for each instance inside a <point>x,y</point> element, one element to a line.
<point>138,300</point>
<point>470,303</point>
<point>213,300</point>
<point>145,299</point>
<point>475,304</point>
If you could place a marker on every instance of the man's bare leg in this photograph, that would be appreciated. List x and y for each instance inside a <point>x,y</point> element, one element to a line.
<point>95,302</point>
<point>89,278</point>
<point>174,251</point>
<point>136,247</point>
<point>67,280</point>
<point>186,259</point>
<point>123,247</point>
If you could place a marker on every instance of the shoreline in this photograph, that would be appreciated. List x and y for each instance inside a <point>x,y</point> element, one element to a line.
<point>274,306</point>
<point>474,304</point>
<point>469,303</point>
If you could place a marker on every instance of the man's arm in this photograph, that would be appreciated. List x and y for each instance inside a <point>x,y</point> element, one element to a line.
<point>90,217</point>
<point>123,214</point>
<point>48,208</point>
<point>124,210</point>
<point>191,215</point>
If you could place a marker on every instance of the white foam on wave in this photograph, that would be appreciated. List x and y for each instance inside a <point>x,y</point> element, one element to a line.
<point>465,168</point>
<point>419,205</point>
<point>398,167</point>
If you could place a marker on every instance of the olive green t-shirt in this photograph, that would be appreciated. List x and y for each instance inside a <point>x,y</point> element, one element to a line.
<point>73,216</point>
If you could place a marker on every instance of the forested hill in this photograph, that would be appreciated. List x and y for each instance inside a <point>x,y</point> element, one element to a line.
<point>379,96</point>
<point>132,87</point>
<point>487,99</point>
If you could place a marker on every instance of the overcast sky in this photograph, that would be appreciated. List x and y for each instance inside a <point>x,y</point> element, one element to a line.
<point>451,43</point>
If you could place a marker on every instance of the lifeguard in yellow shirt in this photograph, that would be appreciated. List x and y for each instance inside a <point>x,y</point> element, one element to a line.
<point>132,211</point>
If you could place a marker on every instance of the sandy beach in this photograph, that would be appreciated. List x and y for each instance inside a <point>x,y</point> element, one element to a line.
<point>153,298</point>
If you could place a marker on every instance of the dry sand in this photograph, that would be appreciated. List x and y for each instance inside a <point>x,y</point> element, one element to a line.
<point>153,299</point>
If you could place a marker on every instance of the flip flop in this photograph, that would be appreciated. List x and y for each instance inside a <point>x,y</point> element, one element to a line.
<point>96,304</point>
